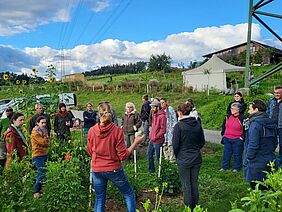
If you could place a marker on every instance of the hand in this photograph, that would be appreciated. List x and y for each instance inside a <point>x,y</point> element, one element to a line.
<point>135,128</point>
<point>139,139</point>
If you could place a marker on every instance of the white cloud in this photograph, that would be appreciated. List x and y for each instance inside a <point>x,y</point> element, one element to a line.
<point>182,47</point>
<point>19,16</point>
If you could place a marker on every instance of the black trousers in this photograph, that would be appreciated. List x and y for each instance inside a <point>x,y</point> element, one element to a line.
<point>190,186</point>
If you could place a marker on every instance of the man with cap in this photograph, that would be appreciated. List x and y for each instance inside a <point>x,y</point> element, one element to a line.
<point>4,124</point>
<point>156,135</point>
<point>233,138</point>
<point>39,108</point>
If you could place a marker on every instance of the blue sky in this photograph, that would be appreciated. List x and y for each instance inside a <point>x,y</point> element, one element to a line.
<point>94,33</point>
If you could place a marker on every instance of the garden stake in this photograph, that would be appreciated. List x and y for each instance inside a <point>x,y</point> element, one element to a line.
<point>135,165</point>
<point>90,184</point>
<point>160,161</point>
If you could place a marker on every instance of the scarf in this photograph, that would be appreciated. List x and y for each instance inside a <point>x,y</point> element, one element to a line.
<point>20,134</point>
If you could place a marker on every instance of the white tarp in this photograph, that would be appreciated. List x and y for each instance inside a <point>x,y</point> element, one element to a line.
<point>211,73</point>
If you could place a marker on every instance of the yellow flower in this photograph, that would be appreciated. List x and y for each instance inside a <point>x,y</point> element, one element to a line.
<point>52,79</point>
<point>24,82</point>
<point>157,190</point>
<point>18,82</point>
<point>5,77</point>
<point>34,70</point>
<point>21,91</point>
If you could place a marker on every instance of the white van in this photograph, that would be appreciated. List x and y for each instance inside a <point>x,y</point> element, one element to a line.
<point>68,98</point>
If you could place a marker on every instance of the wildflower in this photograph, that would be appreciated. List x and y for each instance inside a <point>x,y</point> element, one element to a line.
<point>21,91</point>
<point>157,190</point>
<point>18,82</point>
<point>52,79</point>
<point>24,82</point>
<point>34,70</point>
<point>5,77</point>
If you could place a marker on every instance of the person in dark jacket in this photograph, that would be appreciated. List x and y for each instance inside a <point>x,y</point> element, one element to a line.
<point>39,112</point>
<point>145,114</point>
<point>63,123</point>
<point>233,134</point>
<point>260,143</point>
<point>274,110</point>
<point>188,139</point>
<point>89,117</point>
<point>15,139</point>
<point>131,122</point>
<point>238,97</point>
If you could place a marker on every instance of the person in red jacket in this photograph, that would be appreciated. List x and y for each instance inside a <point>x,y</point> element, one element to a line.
<point>107,149</point>
<point>156,135</point>
<point>14,138</point>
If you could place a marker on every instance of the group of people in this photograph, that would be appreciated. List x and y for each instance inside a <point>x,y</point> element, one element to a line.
<point>252,140</point>
<point>181,141</point>
<point>178,134</point>
<point>14,144</point>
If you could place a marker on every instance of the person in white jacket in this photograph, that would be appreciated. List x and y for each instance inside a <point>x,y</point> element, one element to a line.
<point>171,120</point>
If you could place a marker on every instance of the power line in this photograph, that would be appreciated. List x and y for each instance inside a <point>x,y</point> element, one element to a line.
<point>76,14</point>
<point>106,22</point>
<point>126,6</point>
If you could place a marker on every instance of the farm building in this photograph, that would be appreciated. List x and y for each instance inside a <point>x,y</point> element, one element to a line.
<point>73,77</point>
<point>273,58</point>
<point>211,74</point>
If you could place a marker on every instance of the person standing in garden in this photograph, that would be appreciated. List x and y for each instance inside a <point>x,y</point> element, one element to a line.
<point>274,110</point>
<point>171,120</point>
<point>89,117</point>
<point>156,135</point>
<point>188,139</point>
<point>15,139</point>
<point>40,142</point>
<point>238,97</point>
<point>232,132</point>
<point>130,124</point>
<point>145,114</point>
<point>260,143</point>
<point>63,123</point>
<point>107,149</point>
<point>4,124</point>
<point>194,112</point>
<point>39,112</point>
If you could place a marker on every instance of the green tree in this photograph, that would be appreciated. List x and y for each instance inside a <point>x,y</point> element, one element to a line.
<point>160,63</point>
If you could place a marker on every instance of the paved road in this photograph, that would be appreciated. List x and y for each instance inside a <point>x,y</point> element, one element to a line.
<point>210,135</point>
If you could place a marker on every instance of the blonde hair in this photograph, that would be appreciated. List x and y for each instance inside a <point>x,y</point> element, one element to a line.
<point>104,112</point>
<point>130,104</point>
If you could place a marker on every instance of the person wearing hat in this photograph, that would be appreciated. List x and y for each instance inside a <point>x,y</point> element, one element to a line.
<point>63,123</point>
<point>156,135</point>
<point>233,138</point>
<point>4,124</point>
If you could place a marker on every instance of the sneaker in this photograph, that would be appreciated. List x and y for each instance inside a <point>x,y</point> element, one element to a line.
<point>222,170</point>
<point>235,170</point>
<point>37,195</point>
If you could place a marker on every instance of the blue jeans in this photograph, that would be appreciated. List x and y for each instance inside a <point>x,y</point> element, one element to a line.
<point>152,148</point>
<point>118,177</point>
<point>39,163</point>
<point>235,147</point>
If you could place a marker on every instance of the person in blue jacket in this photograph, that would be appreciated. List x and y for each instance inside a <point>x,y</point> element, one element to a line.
<point>260,143</point>
<point>89,117</point>
<point>274,110</point>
